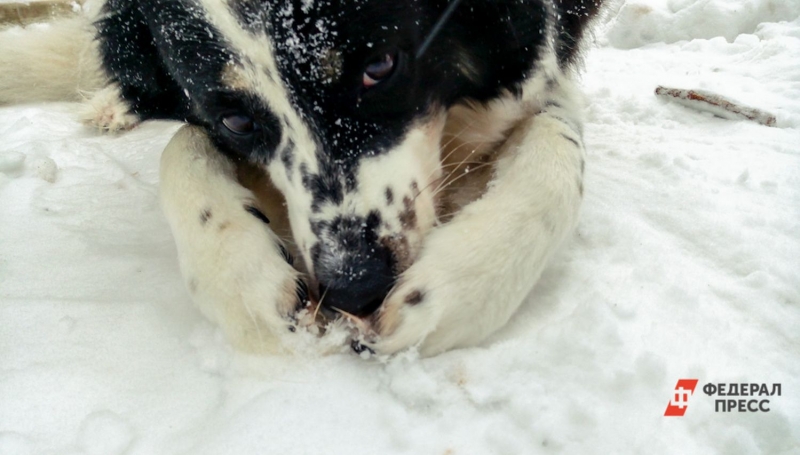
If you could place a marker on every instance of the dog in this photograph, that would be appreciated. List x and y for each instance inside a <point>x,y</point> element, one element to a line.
<point>408,166</point>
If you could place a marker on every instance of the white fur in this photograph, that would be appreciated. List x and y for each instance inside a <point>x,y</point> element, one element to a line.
<point>60,61</point>
<point>57,61</point>
<point>106,111</point>
<point>231,262</point>
<point>415,160</point>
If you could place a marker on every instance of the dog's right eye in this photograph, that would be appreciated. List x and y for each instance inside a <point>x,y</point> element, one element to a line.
<point>239,124</point>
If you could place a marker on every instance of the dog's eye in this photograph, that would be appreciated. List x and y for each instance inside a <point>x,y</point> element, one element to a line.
<point>379,70</point>
<point>240,124</point>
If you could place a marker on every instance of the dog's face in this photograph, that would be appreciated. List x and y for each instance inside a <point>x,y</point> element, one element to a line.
<point>333,105</point>
<point>331,99</point>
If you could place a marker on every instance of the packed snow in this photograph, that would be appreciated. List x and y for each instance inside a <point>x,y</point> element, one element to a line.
<point>686,264</point>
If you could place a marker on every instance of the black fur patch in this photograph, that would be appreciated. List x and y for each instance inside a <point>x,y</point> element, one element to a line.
<point>132,59</point>
<point>205,215</point>
<point>408,216</point>
<point>577,144</point>
<point>301,290</point>
<point>169,63</point>
<point>286,255</point>
<point>257,213</point>
<point>414,298</point>
<point>324,187</point>
<point>287,157</point>
<point>359,348</point>
<point>573,16</point>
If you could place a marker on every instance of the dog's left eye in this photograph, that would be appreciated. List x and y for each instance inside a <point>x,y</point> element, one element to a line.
<point>239,124</point>
<point>379,70</point>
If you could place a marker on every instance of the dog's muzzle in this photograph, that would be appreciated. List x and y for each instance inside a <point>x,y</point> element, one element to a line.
<point>354,277</point>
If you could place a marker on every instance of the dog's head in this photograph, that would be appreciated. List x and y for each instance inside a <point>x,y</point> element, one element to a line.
<point>333,99</point>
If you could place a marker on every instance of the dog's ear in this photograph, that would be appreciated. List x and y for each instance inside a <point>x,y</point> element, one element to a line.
<point>131,58</point>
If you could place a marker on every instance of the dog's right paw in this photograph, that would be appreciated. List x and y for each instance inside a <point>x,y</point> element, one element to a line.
<point>108,112</point>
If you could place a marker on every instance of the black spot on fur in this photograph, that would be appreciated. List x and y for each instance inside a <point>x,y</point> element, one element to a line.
<point>287,157</point>
<point>286,255</point>
<point>205,215</point>
<point>324,187</point>
<point>414,298</point>
<point>257,213</point>
<point>566,122</point>
<point>359,348</point>
<point>553,104</point>
<point>389,196</point>
<point>408,216</point>
<point>301,290</point>
<point>574,141</point>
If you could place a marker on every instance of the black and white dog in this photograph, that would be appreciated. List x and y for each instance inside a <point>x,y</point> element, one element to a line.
<point>423,159</point>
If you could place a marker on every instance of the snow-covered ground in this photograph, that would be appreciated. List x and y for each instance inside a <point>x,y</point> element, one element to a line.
<point>686,264</point>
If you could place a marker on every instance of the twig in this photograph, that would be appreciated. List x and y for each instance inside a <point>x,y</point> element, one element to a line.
<point>716,104</point>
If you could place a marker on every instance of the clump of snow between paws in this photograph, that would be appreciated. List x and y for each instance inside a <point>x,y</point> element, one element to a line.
<point>105,433</point>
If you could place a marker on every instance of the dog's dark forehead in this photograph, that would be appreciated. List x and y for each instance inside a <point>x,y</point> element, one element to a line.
<point>321,48</point>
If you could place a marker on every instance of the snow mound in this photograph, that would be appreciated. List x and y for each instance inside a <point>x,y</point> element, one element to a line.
<point>641,22</point>
<point>105,433</point>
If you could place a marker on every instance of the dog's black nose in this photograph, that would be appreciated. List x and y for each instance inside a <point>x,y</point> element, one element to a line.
<point>356,283</point>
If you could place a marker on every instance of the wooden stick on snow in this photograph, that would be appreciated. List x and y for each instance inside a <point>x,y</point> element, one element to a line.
<point>716,104</point>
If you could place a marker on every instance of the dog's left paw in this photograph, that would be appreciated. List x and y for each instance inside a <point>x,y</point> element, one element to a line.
<point>108,112</point>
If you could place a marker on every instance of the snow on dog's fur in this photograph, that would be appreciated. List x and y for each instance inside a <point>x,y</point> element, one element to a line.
<point>422,175</point>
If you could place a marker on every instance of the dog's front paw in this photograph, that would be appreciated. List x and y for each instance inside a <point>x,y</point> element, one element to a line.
<point>108,112</point>
<point>406,319</point>
<point>446,299</point>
